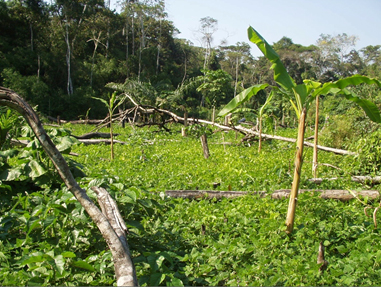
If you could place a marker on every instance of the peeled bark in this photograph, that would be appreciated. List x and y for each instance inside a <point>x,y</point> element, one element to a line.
<point>124,268</point>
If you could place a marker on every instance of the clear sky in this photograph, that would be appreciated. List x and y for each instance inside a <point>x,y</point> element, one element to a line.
<point>301,20</point>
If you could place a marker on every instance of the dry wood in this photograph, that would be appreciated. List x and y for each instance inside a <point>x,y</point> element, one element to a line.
<point>308,144</point>
<point>358,178</point>
<point>88,121</point>
<point>239,128</point>
<point>185,120</point>
<point>100,141</point>
<point>124,267</point>
<point>95,135</point>
<point>205,147</point>
<point>343,195</point>
<point>321,258</point>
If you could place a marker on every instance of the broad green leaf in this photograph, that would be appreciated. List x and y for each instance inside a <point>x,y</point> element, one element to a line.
<point>159,261</point>
<point>36,169</point>
<point>37,210</point>
<point>34,259</point>
<point>302,93</point>
<point>102,100</point>
<point>33,223</point>
<point>134,224</point>
<point>68,254</point>
<point>49,221</point>
<point>130,196</point>
<point>312,84</point>
<point>11,174</point>
<point>242,97</point>
<point>151,259</point>
<point>59,263</point>
<point>268,100</point>
<point>96,182</point>
<point>83,265</point>
<point>65,143</point>
<point>176,282</point>
<point>339,86</point>
<point>334,87</point>
<point>369,107</point>
<point>156,279</point>
<point>60,208</point>
<point>280,73</point>
<point>112,100</point>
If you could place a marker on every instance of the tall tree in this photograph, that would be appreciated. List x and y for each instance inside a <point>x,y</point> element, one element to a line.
<point>208,27</point>
<point>236,60</point>
<point>332,53</point>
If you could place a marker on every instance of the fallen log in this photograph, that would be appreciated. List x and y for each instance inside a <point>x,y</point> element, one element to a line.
<point>343,195</point>
<point>99,141</point>
<point>358,178</point>
<point>238,128</point>
<point>178,119</point>
<point>88,121</point>
<point>265,136</point>
<point>94,135</point>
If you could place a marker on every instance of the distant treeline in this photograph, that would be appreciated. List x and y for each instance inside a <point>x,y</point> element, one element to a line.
<point>58,55</point>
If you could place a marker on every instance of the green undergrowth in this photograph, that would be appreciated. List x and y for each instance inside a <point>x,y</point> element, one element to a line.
<point>159,160</point>
<point>46,238</point>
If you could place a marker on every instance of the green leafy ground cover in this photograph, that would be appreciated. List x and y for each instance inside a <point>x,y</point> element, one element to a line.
<point>47,239</point>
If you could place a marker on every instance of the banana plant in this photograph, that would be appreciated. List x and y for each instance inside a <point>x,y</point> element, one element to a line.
<point>301,96</point>
<point>244,96</point>
<point>260,116</point>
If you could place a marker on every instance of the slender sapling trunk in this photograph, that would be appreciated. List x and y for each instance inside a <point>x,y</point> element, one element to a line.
<point>315,153</point>
<point>260,135</point>
<point>111,137</point>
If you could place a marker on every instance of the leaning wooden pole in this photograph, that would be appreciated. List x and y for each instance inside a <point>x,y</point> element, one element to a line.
<point>124,267</point>
<point>298,168</point>
<point>315,152</point>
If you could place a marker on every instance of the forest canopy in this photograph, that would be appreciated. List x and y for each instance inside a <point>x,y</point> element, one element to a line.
<point>61,54</point>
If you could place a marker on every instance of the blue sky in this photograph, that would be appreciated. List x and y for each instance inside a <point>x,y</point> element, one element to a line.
<point>301,20</point>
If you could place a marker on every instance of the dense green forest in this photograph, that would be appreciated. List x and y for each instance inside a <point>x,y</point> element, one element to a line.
<point>60,54</point>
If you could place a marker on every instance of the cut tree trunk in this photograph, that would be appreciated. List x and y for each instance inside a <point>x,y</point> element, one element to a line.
<point>205,147</point>
<point>124,267</point>
<point>343,195</point>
